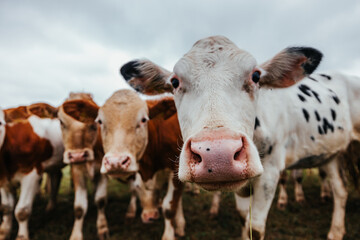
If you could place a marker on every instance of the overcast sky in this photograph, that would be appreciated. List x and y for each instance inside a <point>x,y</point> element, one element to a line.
<point>49,48</point>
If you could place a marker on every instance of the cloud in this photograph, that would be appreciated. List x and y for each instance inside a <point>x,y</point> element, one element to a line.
<point>51,48</point>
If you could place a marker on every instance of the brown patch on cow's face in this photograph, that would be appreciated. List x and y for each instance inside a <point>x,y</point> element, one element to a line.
<point>123,119</point>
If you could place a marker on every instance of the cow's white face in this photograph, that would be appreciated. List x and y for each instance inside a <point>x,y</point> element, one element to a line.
<point>215,90</point>
<point>2,127</point>
<point>215,87</point>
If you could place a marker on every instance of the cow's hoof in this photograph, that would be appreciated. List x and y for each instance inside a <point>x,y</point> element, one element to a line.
<point>325,199</point>
<point>301,201</point>
<point>21,238</point>
<point>76,237</point>
<point>130,215</point>
<point>50,207</point>
<point>281,206</point>
<point>336,234</point>
<point>104,234</point>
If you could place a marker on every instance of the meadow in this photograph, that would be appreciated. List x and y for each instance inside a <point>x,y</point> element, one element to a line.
<point>297,222</point>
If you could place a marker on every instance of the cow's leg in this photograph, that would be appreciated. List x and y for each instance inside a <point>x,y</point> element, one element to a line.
<point>169,207</point>
<point>283,197</point>
<point>297,175</point>
<point>325,193</point>
<point>55,179</point>
<point>100,200</point>
<point>242,206</point>
<point>179,219</point>
<point>264,188</point>
<point>214,210</point>
<point>340,194</point>
<point>131,211</point>
<point>7,205</point>
<point>29,188</point>
<point>81,201</point>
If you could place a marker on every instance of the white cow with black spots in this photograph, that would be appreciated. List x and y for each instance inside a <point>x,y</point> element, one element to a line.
<point>220,90</point>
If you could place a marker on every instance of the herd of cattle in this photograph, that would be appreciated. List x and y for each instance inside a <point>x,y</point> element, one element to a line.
<point>231,125</point>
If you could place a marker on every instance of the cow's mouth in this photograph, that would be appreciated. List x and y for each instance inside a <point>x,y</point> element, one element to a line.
<point>223,186</point>
<point>122,176</point>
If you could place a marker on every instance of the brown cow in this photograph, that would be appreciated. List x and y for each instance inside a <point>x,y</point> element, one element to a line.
<point>126,130</point>
<point>31,145</point>
<point>83,150</point>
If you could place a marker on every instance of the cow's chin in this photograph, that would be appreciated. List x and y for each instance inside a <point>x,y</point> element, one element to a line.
<point>228,186</point>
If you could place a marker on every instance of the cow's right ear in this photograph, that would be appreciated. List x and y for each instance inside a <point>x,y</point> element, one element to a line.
<point>146,77</point>
<point>289,66</point>
<point>165,106</point>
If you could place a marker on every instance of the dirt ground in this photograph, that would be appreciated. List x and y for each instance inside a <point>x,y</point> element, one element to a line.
<point>310,221</point>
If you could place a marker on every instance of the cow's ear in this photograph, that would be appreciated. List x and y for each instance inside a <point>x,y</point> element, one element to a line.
<point>165,108</point>
<point>146,77</point>
<point>289,66</point>
<point>81,110</point>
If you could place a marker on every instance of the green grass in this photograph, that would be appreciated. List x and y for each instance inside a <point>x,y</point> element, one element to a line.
<point>311,221</point>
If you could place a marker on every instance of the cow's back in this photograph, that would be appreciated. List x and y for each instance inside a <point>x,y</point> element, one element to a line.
<point>313,123</point>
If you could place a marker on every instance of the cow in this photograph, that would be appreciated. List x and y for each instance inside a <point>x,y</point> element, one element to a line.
<point>84,153</point>
<point>144,137</point>
<point>297,176</point>
<point>242,123</point>
<point>31,144</point>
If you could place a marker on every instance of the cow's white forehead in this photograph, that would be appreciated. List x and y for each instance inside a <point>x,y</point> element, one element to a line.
<point>215,54</point>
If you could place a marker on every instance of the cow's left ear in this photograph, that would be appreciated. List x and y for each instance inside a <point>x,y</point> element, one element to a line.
<point>289,66</point>
<point>165,106</point>
<point>146,77</point>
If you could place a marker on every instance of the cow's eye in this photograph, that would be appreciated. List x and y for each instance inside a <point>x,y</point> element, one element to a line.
<point>175,82</point>
<point>99,121</point>
<point>255,76</point>
<point>143,120</point>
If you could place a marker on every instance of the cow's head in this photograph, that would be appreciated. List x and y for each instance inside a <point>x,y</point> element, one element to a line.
<point>123,120</point>
<point>79,129</point>
<point>2,127</point>
<point>216,87</point>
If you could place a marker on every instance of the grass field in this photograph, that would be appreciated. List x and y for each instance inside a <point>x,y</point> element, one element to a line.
<point>311,221</point>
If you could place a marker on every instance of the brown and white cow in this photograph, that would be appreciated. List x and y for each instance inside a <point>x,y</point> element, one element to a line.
<point>243,123</point>
<point>144,137</point>
<point>84,153</point>
<point>31,145</point>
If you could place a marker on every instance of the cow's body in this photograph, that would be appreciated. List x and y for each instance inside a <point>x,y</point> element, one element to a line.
<point>156,163</point>
<point>32,145</point>
<point>83,150</point>
<point>221,94</point>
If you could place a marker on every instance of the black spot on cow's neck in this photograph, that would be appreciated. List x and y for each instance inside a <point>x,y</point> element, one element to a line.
<point>341,128</point>
<point>305,89</point>
<point>257,123</point>
<point>316,95</point>
<point>317,116</point>
<point>326,76</point>
<point>336,99</point>
<point>333,114</point>
<point>301,97</point>
<point>312,138</point>
<point>306,114</point>
<point>327,125</point>
<point>312,78</point>
<point>270,150</point>
<point>320,130</point>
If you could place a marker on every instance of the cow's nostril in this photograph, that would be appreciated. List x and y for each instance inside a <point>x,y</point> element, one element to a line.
<point>196,157</point>
<point>70,155</point>
<point>237,154</point>
<point>86,154</point>
<point>125,161</point>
